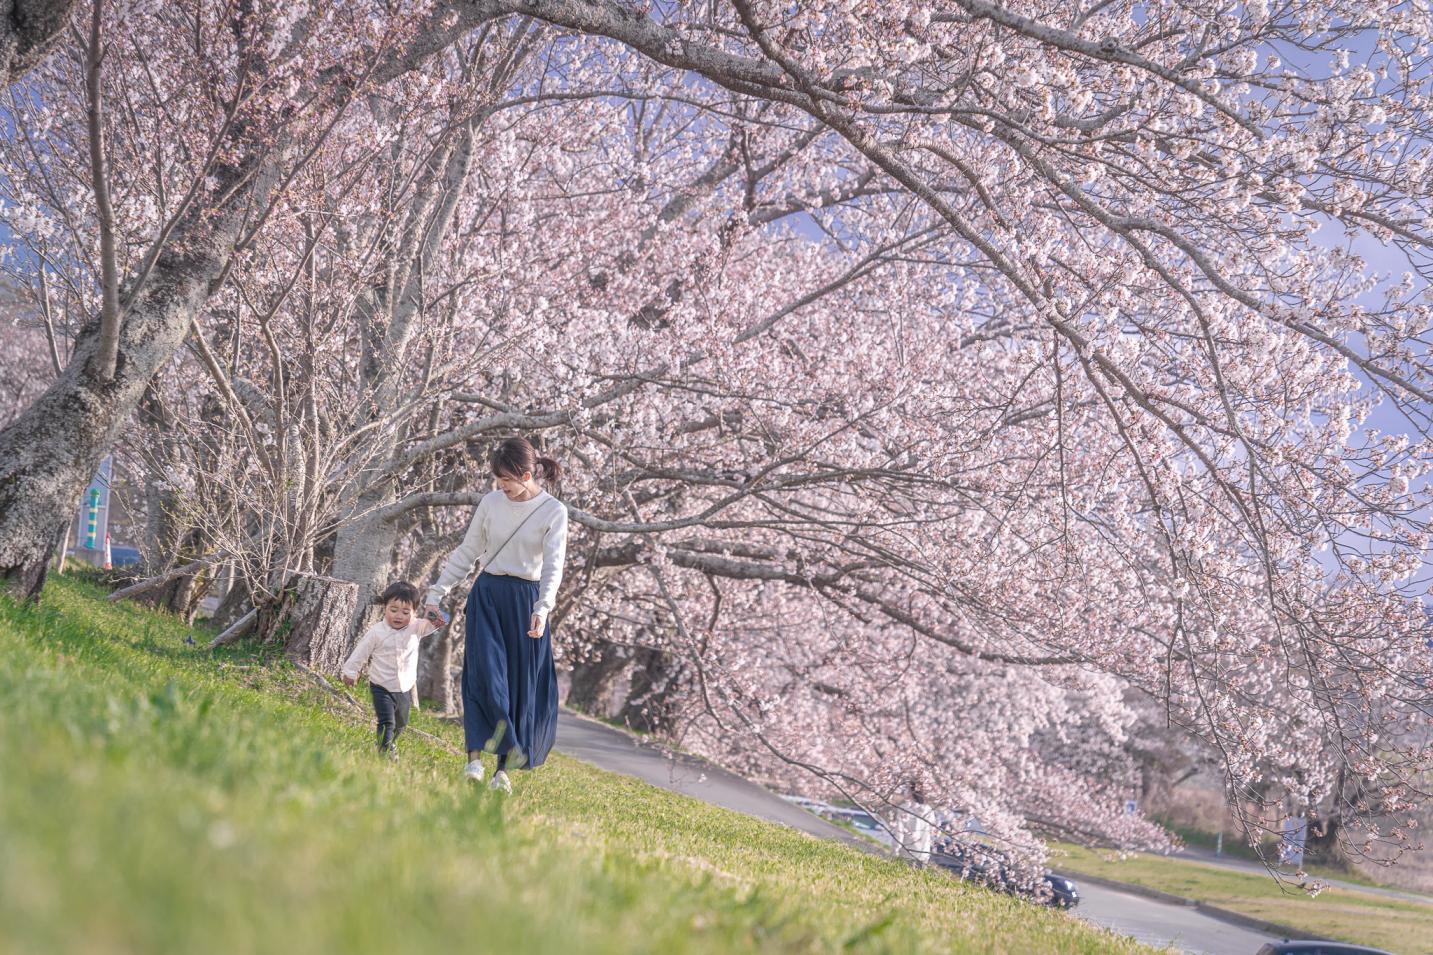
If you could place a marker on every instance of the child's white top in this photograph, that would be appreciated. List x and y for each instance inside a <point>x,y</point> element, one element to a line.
<point>391,655</point>
<point>536,552</point>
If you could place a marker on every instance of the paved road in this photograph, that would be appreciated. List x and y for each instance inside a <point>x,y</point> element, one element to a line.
<point>1156,923</point>
<point>602,745</point>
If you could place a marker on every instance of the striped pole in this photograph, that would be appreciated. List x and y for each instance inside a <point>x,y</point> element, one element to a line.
<point>90,531</point>
<point>92,523</point>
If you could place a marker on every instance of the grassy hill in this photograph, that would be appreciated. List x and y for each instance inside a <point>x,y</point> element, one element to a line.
<point>155,798</point>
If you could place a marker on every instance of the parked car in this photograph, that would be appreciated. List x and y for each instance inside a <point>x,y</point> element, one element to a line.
<point>862,821</point>
<point>859,818</point>
<point>1064,893</point>
<point>987,866</point>
<point>121,556</point>
<point>1311,947</point>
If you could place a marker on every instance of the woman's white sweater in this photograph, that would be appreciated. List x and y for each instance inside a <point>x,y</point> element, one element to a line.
<point>535,552</point>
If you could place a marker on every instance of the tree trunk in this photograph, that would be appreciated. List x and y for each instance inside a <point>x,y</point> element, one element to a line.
<point>651,705</point>
<point>314,618</point>
<point>634,684</point>
<point>1322,846</point>
<point>169,537</point>
<point>51,451</point>
<point>27,31</point>
<point>435,668</point>
<point>62,551</point>
<point>363,554</point>
<point>47,457</point>
<point>437,656</point>
<point>182,594</point>
<point>595,686</point>
<point>236,601</point>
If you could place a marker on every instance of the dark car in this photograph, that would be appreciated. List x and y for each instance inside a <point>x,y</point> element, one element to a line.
<point>121,556</point>
<point>1311,947</point>
<point>1063,892</point>
<point>989,867</point>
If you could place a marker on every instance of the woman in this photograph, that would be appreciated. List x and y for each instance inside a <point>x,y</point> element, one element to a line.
<point>518,538</point>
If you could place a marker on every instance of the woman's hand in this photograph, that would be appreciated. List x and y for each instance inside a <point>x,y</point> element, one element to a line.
<point>535,631</point>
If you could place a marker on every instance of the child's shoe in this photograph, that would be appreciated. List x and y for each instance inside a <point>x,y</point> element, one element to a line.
<point>474,771</point>
<point>500,782</point>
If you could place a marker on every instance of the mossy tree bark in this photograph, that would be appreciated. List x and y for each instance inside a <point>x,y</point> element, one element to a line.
<point>314,618</point>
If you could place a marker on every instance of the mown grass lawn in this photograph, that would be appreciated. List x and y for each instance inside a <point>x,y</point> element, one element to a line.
<point>157,798</point>
<point>1394,924</point>
<point>1235,847</point>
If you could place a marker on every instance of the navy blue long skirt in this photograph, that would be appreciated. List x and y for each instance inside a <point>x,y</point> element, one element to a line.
<point>509,679</point>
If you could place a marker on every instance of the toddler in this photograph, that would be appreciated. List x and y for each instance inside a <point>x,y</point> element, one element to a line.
<point>390,649</point>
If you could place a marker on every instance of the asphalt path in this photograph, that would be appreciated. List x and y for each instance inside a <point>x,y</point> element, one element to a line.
<point>595,742</point>
<point>1183,928</point>
<point>1156,923</point>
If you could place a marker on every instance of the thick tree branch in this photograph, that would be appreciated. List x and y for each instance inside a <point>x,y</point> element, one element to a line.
<point>28,29</point>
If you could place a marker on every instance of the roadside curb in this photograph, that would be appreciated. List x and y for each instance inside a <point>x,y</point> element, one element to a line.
<point>1213,911</point>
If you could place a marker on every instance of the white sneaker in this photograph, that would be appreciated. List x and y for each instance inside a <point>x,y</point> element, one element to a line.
<point>474,771</point>
<point>500,782</point>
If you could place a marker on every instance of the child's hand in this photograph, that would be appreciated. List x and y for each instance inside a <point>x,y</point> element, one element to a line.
<point>349,680</point>
<point>535,631</point>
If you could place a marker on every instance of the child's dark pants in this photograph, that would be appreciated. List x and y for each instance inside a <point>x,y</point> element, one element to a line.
<point>392,711</point>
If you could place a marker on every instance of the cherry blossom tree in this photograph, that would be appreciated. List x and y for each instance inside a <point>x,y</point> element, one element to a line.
<point>1137,192</point>
<point>155,198</point>
<point>946,373</point>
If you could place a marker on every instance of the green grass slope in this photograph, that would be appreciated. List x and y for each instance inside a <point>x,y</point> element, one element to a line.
<point>158,798</point>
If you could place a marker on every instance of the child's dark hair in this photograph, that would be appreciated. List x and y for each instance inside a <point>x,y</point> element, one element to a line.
<point>516,456</point>
<point>401,591</point>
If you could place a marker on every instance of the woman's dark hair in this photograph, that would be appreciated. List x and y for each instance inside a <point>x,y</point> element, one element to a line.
<point>516,456</point>
<point>399,590</point>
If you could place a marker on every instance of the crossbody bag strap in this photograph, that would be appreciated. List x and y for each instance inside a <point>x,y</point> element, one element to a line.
<point>520,526</point>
